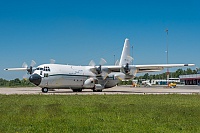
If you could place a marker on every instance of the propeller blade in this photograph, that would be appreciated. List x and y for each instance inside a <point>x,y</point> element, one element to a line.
<point>117,63</point>
<point>24,65</point>
<point>25,76</point>
<point>104,75</point>
<point>92,63</point>
<point>33,63</point>
<point>52,61</point>
<point>130,58</point>
<point>133,71</point>
<point>102,61</point>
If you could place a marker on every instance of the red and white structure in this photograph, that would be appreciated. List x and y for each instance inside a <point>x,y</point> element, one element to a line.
<point>193,79</point>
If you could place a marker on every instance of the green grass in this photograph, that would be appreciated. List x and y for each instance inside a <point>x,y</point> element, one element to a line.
<point>99,113</point>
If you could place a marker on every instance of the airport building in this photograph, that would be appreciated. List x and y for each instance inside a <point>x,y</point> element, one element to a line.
<point>193,79</point>
<point>164,81</point>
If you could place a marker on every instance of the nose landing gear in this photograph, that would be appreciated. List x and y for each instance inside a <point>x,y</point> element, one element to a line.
<point>45,90</point>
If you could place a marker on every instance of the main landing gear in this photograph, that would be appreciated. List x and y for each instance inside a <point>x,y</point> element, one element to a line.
<point>77,90</point>
<point>94,90</point>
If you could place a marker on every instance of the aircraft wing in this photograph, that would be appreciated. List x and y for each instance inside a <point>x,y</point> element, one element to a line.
<point>157,67</point>
<point>15,69</point>
<point>147,68</point>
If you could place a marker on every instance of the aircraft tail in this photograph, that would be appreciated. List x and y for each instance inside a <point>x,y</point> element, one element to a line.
<point>125,56</point>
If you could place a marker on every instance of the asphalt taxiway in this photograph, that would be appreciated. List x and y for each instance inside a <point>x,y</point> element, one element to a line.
<point>114,90</point>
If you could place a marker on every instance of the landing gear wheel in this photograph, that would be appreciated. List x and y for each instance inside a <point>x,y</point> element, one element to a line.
<point>97,90</point>
<point>44,90</point>
<point>77,90</point>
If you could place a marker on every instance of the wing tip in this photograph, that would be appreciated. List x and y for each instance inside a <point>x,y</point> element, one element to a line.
<point>189,64</point>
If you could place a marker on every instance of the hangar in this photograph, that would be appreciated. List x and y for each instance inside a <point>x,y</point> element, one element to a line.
<point>193,79</point>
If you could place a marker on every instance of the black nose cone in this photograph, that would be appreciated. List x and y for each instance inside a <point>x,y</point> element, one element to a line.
<point>35,79</point>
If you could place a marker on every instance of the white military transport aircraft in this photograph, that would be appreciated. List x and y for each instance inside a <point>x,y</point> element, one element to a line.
<point>97,78</point>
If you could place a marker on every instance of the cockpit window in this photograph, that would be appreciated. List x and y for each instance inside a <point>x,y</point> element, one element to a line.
<point>46,68</point>
<point>39,68</point>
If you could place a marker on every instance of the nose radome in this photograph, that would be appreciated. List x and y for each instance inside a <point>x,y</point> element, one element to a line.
<point>35,79</point>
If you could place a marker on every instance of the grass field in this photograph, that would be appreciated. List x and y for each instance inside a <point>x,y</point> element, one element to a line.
<point>99,113</point>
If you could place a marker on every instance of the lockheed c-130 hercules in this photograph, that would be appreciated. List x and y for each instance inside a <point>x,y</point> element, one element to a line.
<point>97,78</point>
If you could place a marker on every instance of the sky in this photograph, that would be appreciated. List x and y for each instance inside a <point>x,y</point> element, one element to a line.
<point>75,32</point>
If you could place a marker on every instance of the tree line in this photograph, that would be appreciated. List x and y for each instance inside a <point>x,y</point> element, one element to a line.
<point>15,83</point>
<point>175,74</point>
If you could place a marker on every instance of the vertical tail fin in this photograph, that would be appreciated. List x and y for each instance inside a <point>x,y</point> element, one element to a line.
<point>125,56</point>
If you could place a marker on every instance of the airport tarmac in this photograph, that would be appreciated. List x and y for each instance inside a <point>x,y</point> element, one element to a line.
<point>114,90</point>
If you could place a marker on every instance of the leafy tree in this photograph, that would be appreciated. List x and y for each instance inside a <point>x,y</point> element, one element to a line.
<point>15,83</point>
<point>146,76</point>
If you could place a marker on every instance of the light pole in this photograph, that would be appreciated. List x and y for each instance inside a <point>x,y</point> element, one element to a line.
<point>132,54</point>
<point>167,56</point>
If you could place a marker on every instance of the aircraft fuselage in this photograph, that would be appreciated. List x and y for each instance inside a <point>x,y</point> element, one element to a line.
<point>56,76</point>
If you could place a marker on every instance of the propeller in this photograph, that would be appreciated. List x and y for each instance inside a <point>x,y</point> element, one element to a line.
<point>126,69</point>
<point>99,70</point>
<point>29,69</point>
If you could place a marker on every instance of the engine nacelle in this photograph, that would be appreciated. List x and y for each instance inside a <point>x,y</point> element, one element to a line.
<point>89,83</point>
<point>129,71</point>
<point>126,76</point>
<point>125,69</point>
